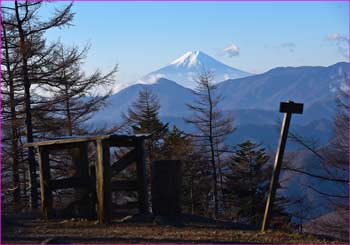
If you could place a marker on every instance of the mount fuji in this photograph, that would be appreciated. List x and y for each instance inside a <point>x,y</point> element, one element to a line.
<point>186,69</point>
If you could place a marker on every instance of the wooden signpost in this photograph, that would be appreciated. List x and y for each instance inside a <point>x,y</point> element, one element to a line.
<point>288,108</point>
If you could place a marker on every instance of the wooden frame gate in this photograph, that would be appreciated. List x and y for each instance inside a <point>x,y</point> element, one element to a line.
<point>104,170</point>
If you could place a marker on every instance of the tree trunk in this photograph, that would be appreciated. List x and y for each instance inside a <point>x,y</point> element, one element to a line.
<point>14,137</point>
<point>191,194</point>
<point>28,113</point>
<point>69,117</point>
<point>220,175</point>
<point>212,152</point>
<point>67,97</point>
<point>215,191</point>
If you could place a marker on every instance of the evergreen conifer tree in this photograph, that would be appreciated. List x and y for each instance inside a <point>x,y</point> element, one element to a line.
<point>143,117</point>
<point>247,185</point>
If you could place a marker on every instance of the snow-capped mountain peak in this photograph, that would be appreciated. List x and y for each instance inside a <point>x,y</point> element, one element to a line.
<point>187,67</point>
<point>189,59</point>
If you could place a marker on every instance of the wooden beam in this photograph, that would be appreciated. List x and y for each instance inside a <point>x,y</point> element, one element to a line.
<point>46,194</point>
<point>115,140</point>
<point>65,146</point>
<point>124,162</point>
<point>65,183</point>
<point>66,140</point>
<point>141,177</point>
<point>128,205</point>
<point>103,181</point>
<point>122,142</point>
<point>124,185</point>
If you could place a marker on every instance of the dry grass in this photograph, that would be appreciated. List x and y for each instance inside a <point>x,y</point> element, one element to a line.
<point>83,231</point>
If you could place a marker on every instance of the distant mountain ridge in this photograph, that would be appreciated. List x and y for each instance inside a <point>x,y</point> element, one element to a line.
<point>257,96</point>
<point>307,84</point>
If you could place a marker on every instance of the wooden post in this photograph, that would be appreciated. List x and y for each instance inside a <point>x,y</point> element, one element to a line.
<point>288,108</point>
<point>103,181</point>
<point>166,187</point>
<point>46,194</point>
<point>81,164</point>
<point>141,176</point>
<point>80,160</point>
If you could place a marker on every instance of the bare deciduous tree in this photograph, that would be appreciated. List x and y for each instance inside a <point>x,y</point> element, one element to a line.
<point>211,124</point>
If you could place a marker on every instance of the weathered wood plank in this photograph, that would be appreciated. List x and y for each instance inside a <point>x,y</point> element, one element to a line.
<point>65,146</point>
<point>124,162</point>
<point>46,194</point>
<point>103,181</point>
<point>122,142</point>
<point>65,183</point>
<point>124,185</point>
<point>115,140</point>
<point>141,177</point>
<point>66,140</point>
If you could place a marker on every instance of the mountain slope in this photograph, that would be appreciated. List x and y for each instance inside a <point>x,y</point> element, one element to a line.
<point>172,97</point>
<point>305,84</point>
<point>186,69</point>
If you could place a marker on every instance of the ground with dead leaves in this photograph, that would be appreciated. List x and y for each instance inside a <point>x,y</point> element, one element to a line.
<point>33,230</point>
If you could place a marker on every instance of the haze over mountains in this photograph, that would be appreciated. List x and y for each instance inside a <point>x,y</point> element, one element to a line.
<point>252,100</point>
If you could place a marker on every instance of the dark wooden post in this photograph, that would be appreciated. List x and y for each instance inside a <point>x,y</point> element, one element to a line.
<point>81,164</point>
<point>141,176</point>
<point>166,187</point>
<point>46,194</point>
<point>288,108</point>
<point>103,181</point>
<point>80,160</point>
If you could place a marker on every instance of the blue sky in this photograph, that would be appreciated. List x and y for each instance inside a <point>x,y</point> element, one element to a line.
<point>144,36</point>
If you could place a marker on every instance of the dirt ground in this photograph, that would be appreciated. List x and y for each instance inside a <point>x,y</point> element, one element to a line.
<point>29,229</point>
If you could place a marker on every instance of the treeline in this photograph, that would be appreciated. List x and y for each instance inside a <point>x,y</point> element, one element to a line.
<point>219,180</point>
<point>232,181</point>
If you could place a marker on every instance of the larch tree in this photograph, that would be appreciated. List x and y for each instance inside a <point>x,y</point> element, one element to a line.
<point>10,101</point>
<point>212,126</point>
<point>336,161</point>
<point>74,96</point>
<point>333,160</point>
<point>32,54</point>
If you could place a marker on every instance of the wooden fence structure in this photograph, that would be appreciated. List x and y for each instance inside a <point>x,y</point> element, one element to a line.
<point>99,183</point>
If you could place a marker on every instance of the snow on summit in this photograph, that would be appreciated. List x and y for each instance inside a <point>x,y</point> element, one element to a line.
<point>189,59</point>
<point>187,67</point>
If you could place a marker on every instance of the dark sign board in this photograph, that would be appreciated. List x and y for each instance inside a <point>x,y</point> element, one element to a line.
<point>291,107</point>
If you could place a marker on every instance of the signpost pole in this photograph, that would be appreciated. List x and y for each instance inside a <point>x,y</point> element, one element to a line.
<point>288,108</point>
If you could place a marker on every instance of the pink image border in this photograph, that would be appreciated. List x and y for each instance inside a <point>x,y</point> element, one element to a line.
<point>138,1</point>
